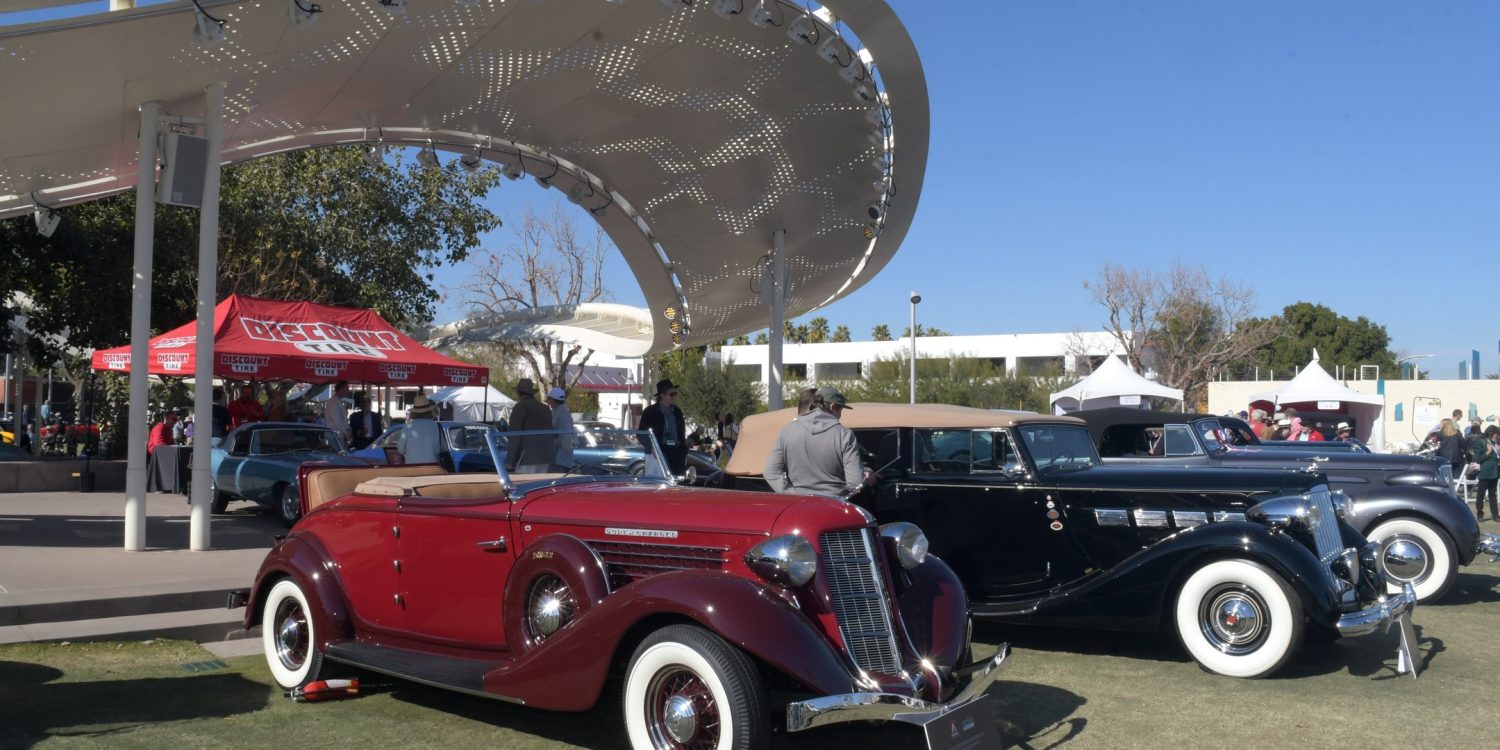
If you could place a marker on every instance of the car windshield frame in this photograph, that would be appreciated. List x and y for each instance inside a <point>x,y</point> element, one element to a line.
<point>654,467</point>
<point>1082,451</point>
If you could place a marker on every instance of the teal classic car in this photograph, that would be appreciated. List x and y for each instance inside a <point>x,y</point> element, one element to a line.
<point>258,462</point>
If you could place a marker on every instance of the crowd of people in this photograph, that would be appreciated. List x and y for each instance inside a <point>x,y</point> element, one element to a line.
<point>1289,425</point>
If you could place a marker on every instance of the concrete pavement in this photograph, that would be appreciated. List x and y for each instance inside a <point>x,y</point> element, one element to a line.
<point>64,574</point>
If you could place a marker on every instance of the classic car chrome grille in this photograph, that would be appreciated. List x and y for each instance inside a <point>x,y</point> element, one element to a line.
<point>631,561</point>
<point>1330,542</point>
<point>857,590</point>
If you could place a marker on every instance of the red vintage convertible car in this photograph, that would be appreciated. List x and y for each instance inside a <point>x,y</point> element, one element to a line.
<point>535,588</point>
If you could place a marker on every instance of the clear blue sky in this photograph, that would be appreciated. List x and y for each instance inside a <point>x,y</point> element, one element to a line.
<point>1345,152</point>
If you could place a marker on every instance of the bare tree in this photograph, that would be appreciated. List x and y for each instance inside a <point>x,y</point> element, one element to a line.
<point>550,263</point>
<point>1183,324</point>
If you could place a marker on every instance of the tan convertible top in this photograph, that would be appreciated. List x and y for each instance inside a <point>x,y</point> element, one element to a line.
<point>758,432</point>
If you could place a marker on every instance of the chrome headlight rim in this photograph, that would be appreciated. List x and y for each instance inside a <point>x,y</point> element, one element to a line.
<point>1286,512</point>
<point>910,542</point>
<point>789,560</point>
<point>1340,501</point>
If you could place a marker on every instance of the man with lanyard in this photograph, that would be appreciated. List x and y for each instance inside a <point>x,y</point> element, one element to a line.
<point>666,422</point>
<point>816,454</point>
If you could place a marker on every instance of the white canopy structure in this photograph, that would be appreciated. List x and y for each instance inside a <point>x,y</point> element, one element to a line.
<point>1113,384</point>
<point>475,403</point>
<point>1315,390</point>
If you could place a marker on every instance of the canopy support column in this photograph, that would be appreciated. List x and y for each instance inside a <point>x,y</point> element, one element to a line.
<point>208,276</point>
<point>774,395</point>
<point>140,330</point>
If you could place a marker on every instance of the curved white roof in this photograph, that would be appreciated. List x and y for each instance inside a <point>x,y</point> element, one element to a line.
<point>691,137</point>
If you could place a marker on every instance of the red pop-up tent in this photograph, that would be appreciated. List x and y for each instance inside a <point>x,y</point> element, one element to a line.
<point>259,339</point>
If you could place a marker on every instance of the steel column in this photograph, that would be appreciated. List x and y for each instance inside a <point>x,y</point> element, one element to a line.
<point>140,329</point>
<point>774,395</point>
<point>208,275</point>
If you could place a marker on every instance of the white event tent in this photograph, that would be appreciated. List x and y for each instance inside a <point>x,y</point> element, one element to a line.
<point>1315,390</point>
<point>475,403</point>
<point>1113,384</point>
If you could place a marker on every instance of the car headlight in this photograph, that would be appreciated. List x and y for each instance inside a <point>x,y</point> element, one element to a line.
<point>911,543</point>
<point>1340,501</point>
<point>1285,512</point>
<point>788,560</point>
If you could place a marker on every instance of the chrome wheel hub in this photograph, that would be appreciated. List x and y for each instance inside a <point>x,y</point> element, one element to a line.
<point>1404,559</point>
<point>1234,620</point>
<point>549,606</point>
<point>680,719</point>
<point>291,635</point>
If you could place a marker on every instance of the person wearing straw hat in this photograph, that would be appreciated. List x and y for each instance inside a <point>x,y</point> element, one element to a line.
<point>1344,433</point>
<point>419,439</point>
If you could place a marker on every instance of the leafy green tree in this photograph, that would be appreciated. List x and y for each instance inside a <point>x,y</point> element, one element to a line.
<point>924,331</point>
<point>841,335</point>
<point>881,332</point>
<point>1339,341</point>
<point>705,392</point>
<point>951,380</point>
<point>762,338</point>
<point>741,340</point>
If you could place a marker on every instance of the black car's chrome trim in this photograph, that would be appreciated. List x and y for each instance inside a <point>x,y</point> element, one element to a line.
<point>1156,518</point>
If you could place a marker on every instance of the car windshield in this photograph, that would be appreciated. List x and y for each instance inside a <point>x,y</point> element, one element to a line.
<point>270,442</point>
<point>1056,447</point>
<point>463,436</point>
<point>549,455</point>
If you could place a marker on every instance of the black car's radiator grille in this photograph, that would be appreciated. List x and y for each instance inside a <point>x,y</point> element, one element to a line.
<point>630,561</point>
<point>858,595</point>
<point>1330,542</point>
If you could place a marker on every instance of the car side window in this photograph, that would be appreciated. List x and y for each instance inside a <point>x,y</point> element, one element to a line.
<point>1179,440</point>
<point>993,452</point>
<point>944,451</point>
<point>241,445</point>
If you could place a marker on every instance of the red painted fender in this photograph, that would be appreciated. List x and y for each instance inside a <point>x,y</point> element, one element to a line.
<point>567,671</point>
<point>304,560</point>
<point>935,612</point>
<point>569,559</point>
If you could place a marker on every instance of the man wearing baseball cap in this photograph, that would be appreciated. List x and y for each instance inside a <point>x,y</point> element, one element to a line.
<point>816,454</point>
<point>562,420</point>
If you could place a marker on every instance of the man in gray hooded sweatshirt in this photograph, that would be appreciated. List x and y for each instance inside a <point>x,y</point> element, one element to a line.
<point>816,454</point>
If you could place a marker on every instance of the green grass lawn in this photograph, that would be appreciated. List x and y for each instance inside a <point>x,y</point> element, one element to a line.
<point>1072,689</point>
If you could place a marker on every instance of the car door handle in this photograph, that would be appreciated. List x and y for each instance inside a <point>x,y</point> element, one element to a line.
<point>494,545</point>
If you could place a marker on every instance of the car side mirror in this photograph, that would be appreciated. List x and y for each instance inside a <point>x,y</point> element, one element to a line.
<point>691,475</point>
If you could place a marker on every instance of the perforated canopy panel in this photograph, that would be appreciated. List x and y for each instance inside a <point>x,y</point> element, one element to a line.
<point>691,137</point>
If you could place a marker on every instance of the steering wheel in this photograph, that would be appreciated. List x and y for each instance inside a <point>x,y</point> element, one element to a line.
<point>1064,457</point>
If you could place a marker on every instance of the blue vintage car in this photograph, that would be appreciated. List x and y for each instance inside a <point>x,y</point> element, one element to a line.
<point>258,462</point>
<point>599,450</point>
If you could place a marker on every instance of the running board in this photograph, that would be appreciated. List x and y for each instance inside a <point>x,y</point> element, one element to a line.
<point>450,672</point>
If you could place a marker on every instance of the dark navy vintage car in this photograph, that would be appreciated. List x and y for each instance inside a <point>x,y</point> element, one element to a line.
<point>1239,563</point>
<point>1405,503</point>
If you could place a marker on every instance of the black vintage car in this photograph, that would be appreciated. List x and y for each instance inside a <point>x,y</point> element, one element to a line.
<point>1240,564</point>
<point>1405,503</point>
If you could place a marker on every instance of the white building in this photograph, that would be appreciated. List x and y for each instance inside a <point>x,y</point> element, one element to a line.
<point>1017,353</point>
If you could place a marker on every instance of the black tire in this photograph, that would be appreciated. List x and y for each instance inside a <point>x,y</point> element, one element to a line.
<point>288,505</point>
<point>687,687</point>
<point>220,501</point>
<point>289,637</point>
<point>1238,618</point>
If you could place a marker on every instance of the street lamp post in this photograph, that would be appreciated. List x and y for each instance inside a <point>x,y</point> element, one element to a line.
<point>1415,372</point>
<point>915,300</point>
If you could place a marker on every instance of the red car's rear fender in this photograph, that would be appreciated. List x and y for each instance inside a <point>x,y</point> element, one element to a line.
<point>567,671</point>
<point>304,560</point>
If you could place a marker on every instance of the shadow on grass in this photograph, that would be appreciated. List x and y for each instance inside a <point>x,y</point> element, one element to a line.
<point>1372,656</point>
<point>1027,715</point>
<point>1150,646</point>
<point>34,706</point>
<point>1470,588</point>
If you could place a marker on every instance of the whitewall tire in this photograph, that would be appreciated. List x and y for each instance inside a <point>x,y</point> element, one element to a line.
<point>1430,580</point>
<point>688,688</point>
<point>1238,618</point>
<point>289,636</point>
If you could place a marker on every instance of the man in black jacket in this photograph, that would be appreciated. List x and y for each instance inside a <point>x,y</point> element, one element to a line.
<point>666,422</point>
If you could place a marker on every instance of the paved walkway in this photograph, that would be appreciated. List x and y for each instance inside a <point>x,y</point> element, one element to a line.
<point>63,551</point>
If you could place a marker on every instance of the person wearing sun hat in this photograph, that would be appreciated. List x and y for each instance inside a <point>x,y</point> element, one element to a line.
<point>664,419</point>
<point>531,454</point>
<point>562,421</point>
<point>419,441</point>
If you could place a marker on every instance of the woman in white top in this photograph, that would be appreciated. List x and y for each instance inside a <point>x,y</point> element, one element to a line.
<point>419,440</point>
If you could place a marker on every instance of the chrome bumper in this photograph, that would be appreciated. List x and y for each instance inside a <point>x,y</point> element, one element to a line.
<point>1380,616</point>
<point>836,709</point>
<point>1390,609</point>
<point>1489,544</point>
